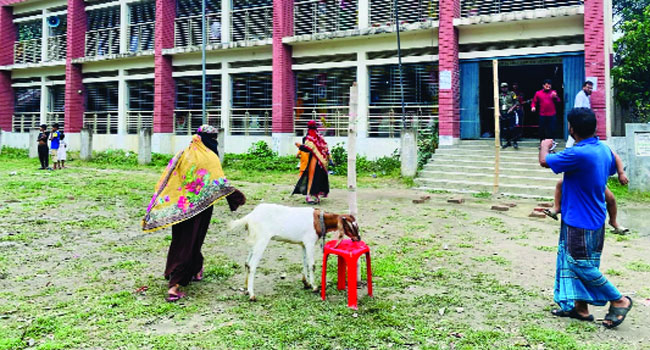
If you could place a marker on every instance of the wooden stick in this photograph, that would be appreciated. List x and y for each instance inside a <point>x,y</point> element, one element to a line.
<point>497,127</point>
<point>352,150</point>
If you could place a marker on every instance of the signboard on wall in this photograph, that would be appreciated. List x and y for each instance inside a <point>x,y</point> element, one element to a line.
<point>594,80</point>
<point>445,79</point>
<point>642,142</point>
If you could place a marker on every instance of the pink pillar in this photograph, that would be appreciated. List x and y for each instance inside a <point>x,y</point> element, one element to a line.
<point>596,59</point>
<point>76,37</point>
<point>283,80</point>
<point>8,32</point>
<point>449,98</point>
<point>164,88</point>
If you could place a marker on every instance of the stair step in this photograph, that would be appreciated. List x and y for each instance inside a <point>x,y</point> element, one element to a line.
<point>487,151</point>
<point>482,161</point>
<point>453,190</point>
<point>487,177</point>
<point>516,189</point>
<point>465,168</point>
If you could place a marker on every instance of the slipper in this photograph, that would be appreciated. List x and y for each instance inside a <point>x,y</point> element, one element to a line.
<point>174,297</point>
<point>198,276</point>
<point>551,213</point>
<point>572,314</point>
<point>614,312</point>
<point>620,230</point>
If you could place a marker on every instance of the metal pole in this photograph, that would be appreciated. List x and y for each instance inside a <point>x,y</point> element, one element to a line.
<point>399,65</point>
<point>204,119</point>
<point>497,127</point>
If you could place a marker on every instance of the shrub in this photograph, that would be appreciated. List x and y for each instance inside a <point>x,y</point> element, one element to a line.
<point>387,165</point>
<point>260,157</point>
<point>427,144</point>
<point>14,153</point>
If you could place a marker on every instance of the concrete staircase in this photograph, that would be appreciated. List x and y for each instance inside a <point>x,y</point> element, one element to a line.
<point>469,168</point>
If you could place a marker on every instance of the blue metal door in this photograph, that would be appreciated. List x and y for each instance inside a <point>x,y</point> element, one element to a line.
<point>470,123</point>
<point>574,76</point>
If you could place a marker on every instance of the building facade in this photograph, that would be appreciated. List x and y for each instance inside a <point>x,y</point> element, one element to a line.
<point>273,65</point>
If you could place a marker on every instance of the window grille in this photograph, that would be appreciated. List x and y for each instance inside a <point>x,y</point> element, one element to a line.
<point>56,41</point>
<point>28,45</point>
<point>56,106</point>
<point>471,8</point>
<point>187,26</point>
<point>142,26</point>
<point>251,20</point>
<point>188,114</point>
<point>382,12</point>
<point>252,96</point>
<point>103,34</point>
<point>323,95</point>
<point>27,109</point>
<point>101,107</point>
<point>140,109</point>
<point>320,16</point>
<point>420,98</point>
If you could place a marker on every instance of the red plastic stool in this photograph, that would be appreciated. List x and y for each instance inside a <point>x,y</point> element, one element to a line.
<point>348,255</point>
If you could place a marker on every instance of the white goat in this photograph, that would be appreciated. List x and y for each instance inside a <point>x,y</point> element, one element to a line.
<point>302,226</point>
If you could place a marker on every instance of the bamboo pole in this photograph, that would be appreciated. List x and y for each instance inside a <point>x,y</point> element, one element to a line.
<point>497,127</point>
<point>352,150</point>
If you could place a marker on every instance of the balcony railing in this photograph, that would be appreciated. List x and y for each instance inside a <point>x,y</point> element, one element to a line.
<point>254,23</point>
<point>386,121</point>
<point>318,16</point>
<point>141,36</point>
<point>28,51</point>
<point>382,12</point>
<point>334,119</point>
<point>186,121</point>
<point>56,47</point>
<point>136,120</point>
<point>23,122</point>
<point>55,117</point>
<point>250,121</point>
<point>101,122</point>
<point>187,30</point>
<point>471,8</point>
<point>103,42</point>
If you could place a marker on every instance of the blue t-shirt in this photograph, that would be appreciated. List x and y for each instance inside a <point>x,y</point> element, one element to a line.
<point>586,167</point>
<point>55,140</point>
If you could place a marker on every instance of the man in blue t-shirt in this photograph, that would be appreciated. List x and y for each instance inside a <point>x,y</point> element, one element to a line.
<point>586,168</point>
<point>55,139</point>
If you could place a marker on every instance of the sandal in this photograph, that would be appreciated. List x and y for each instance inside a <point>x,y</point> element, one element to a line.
<point>572,314</point>
<point>621,230</point>
<point>198,276</point>
<point>551,213</point>
<point>614,312</point>
<point>174,297</point>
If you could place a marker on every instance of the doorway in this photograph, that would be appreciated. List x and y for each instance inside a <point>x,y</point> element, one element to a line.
<point>529,74</point>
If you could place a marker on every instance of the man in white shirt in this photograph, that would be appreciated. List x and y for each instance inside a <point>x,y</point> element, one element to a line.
<point>582,101</point>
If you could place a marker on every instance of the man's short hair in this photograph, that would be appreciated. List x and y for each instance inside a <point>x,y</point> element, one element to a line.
<point>583,121</point>
<point>587,83</point>
<point>44,126</point>
<point>548,81</point>
<point>55,125</point>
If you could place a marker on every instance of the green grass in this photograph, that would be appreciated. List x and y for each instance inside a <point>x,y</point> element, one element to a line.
<point>74,257</point>
<point>622,193</point>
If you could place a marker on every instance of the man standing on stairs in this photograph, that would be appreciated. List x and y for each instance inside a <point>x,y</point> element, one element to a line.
<point>545,99</point>
<point>586,168</point>
<point>507,104</point>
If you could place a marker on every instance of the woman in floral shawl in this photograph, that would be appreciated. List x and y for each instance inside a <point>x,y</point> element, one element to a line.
<point>313,180</point>
<point>192,182</point>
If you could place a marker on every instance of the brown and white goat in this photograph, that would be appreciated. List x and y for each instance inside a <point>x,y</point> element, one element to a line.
<point>294,225</point>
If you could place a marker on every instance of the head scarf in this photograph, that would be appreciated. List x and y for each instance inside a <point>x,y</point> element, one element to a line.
<point>208,135</point>
<point>191,183</point>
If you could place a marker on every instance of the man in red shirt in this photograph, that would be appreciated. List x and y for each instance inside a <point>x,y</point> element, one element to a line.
<point>545,100</point>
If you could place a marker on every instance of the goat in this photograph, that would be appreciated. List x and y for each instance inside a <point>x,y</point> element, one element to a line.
<point>293,225</point>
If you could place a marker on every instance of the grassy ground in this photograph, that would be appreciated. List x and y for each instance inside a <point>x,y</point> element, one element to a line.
<point>445,277</point>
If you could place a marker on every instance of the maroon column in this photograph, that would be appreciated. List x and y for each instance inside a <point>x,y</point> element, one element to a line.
<point>448,65</point>
<point>76,38</point>
<point>8,32</point>
<point>164,88</point>
<point>596,59</point>
<point>283,80</point>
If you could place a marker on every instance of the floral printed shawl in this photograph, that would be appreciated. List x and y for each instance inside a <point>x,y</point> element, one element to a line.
<point>316,144</point>
<point>192,182</point>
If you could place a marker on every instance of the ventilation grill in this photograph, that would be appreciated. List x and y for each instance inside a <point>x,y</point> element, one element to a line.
<point>57,99</point>
<point>142,26</point>
<point>382,12</point>
<point>187,26</point>
<point>103,35</point>
<point>101,97</point>
<point>28,100</point>
<point>189,93</point>
<point>325,59</point>
<point>251,19</point>
<point>252,96</point>
<point>320,16</point>
<point>471,8</point>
